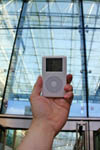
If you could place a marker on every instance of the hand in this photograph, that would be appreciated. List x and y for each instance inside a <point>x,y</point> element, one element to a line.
<point>49,116</point>
<point>53,111</point>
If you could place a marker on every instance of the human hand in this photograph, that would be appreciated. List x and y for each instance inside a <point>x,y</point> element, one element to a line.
<point>51,111</point>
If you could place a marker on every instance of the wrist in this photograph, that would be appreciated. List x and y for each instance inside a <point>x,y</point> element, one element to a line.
<point>39,136</point>
<point>44,126</point>
<point>41,133</point>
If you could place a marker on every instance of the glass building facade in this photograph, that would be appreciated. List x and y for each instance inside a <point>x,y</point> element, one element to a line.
<point>30,29</point>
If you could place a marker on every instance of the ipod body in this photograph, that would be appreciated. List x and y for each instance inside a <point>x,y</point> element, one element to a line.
<point>54,76</point>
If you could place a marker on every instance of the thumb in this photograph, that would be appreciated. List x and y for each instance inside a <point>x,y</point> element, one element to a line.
<point>37,87</point>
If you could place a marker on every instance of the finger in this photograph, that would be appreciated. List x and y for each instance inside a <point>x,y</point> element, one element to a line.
<point>69,78</point>
<point>68,97</point>
<point>37,87</point>
<point>68,88</point>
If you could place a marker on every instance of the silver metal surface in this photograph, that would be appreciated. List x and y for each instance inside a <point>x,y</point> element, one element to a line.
<point>94,126</point>
<point>91,141</point>
<point>4,140</point>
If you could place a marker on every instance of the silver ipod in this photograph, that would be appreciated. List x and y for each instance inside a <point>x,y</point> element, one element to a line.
<point>54,76</point>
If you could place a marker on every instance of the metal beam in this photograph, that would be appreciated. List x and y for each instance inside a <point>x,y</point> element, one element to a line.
<point>83,58</point>
<point>51,31</point>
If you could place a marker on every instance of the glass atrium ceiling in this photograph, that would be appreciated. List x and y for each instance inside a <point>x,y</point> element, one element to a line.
<point>35,28</point>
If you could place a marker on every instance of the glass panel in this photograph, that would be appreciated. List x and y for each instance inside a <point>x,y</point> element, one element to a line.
<point>52,14</point>
<point>26,66</point>
<point>97,140</point>
<point>19,134</point>
<point>92,13</point>
<point>64,140</point>
<point>6,36</point>
<point>93,60</point>
<point>10,139</point>
<point>31,44</point>
<point>9,15</point>
<point>67,141</point>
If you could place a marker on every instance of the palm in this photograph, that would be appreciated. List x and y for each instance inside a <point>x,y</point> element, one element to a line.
<point>54,110</point>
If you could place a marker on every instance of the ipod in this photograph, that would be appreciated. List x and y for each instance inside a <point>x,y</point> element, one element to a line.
<point>54,76</point>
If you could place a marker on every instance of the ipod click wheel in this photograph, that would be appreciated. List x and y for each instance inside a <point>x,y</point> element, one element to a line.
<point>54,76</point>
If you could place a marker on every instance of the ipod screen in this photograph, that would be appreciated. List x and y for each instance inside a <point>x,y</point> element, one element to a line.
<point>54,64</point>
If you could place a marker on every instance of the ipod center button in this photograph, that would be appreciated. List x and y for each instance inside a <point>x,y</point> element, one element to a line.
<point>53,83</point>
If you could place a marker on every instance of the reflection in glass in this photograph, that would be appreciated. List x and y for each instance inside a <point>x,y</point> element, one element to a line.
<point>93,59</point>
<point>97,140</point>
<point>10,139</point>
<point>64,140</point>
<point>9,15</point>
<point>68,141</point>
<point>52,14</point>
<point>91,13</point>
<point>25,70</point>
<point>31,44</point>
<point>47,28</point>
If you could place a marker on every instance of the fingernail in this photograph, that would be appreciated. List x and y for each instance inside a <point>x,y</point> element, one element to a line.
<point>38,77</point>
